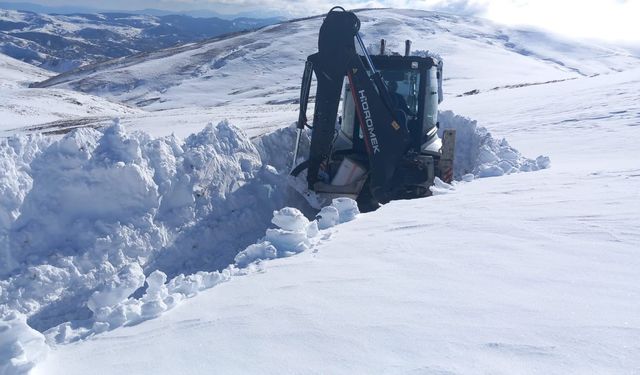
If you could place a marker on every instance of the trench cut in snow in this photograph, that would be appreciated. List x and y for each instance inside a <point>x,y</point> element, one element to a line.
<point>93,217</point>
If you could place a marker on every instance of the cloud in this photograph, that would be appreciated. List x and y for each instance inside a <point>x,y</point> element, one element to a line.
<point>610,20</point>
<point>313,7</point>
<point>461,7</point>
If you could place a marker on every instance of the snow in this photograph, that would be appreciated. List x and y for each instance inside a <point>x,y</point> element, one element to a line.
<point>361,303</point>
<point>150,253</point>
<point>31,108</point>
<point>83,210</point>
<point>112,307</point>
<point>263,250</point>
<point>440,187</point>
<point>15,73</point>
<point>22,107</point>
<point>479,154</point>
<point>101,200</point>
<point>21,347</point>
<point>128,280</point>
<point>328,217</point>
<point>15,182</point>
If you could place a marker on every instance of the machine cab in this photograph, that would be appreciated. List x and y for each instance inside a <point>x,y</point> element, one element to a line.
<point>415,87</point>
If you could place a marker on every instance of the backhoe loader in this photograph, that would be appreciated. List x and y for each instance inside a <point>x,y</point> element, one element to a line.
<point>385,144</point>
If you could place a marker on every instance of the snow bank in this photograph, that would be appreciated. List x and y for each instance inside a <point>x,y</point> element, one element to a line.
<point>87,216</point>
<point>481,155</point>
<point>16,155</point>
<point>84,218</point>
<point>112,307</point>
<point>21,347</point>
<point>79,211</point>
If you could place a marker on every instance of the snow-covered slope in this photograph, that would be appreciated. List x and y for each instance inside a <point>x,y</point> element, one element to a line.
<point>252,79</point>
<point>22,107</point>
<point>27,108</point>
<point>63,42</point>
<point>265,66</point>
<point>532,273</point>
<point>15,73</point>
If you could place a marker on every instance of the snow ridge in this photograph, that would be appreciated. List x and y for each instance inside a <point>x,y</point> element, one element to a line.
<point>16,155</point>
<point>102,200</point>
<point>478,154</point>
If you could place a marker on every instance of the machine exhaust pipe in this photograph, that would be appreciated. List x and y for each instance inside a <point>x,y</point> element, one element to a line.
<point>383,44</point>
<point>407,48</point>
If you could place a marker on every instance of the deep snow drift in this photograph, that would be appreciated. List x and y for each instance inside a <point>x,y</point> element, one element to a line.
<point>94,212</point>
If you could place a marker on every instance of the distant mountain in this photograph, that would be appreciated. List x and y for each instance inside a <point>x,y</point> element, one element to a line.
<point>39,8</point>
<point>63,42</point>
<point>227,12</point>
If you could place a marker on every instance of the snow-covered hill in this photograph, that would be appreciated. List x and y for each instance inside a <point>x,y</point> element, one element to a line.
<point>15,73</point>
<point>252,79</point>
<point>63,42</point>
<point>25,108</point>
<point>265,66</point>
<point>526,273</point>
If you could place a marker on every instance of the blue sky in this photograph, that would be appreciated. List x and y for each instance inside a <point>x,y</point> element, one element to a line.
<point>610,20</point>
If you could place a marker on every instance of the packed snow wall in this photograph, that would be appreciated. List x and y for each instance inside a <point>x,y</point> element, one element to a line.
<point>479,155</point>
<point>83,208</point>
<point>107,207</point>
